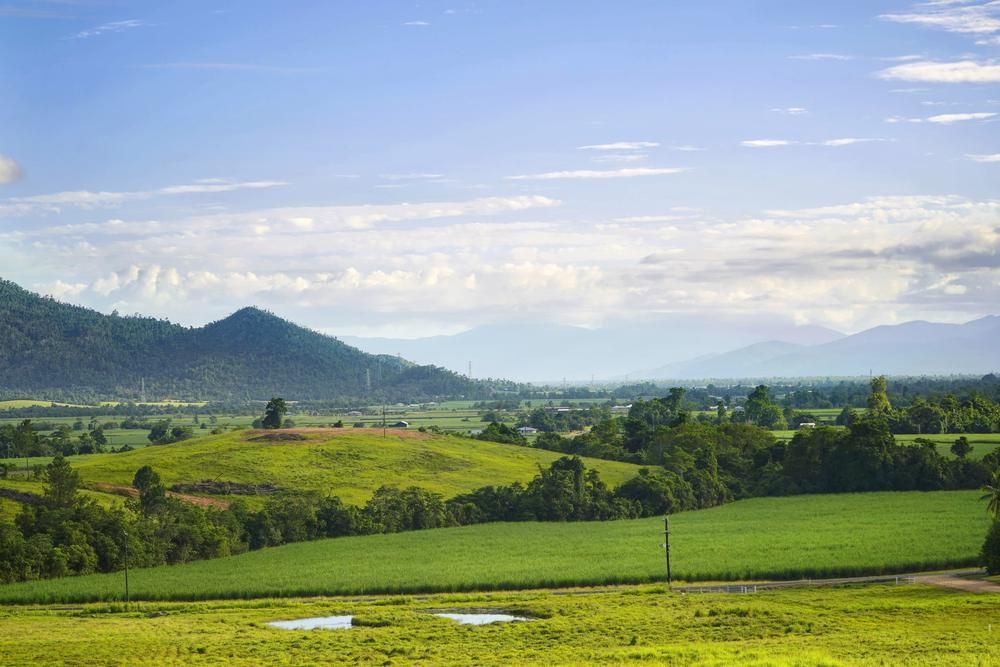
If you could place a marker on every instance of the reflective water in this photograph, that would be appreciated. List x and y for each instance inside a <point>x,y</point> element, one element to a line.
<point>482,619</point>
<point>321,623</point>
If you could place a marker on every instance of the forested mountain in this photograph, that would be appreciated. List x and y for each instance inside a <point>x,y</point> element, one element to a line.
<point>52,349</point>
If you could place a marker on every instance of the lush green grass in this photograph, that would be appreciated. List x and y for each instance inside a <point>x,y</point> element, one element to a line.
<point>344,462</point>
<point>8,510</point>
<point>38,488</point>
<point>876,625</point>
<point>803,536</point>
<point>16,403</point>
<point>982,443</point>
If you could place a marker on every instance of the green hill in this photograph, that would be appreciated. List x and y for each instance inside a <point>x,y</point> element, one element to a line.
<point>56,350</point>
<point>350,463</point>
<point>781,538</point>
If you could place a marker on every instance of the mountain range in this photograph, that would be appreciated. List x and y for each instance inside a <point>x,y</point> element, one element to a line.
<point>689,347</point>
<point>536,351</point>
<point>911,348</point>
<point>53,349</point>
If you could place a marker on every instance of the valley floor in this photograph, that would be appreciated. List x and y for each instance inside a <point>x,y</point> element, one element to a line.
<point>908,624</point>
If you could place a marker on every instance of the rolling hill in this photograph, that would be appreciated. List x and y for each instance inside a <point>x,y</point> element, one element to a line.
<point>52,349</point>
<point>349,463</point>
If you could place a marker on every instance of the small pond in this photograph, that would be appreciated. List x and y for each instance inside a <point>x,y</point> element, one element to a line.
<point>482,619</point>
<point>320,623</point>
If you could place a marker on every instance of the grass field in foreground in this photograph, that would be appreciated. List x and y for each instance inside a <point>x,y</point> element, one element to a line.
<point>909,624</point>
<point>763,538</point>
<point>350,463</point>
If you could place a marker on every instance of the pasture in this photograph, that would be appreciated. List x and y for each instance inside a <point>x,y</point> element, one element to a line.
<point>762,538</point>
<point>349,463</point>
<point>908,624</point>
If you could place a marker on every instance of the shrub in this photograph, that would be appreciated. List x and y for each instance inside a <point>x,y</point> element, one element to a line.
<point>990,555</point>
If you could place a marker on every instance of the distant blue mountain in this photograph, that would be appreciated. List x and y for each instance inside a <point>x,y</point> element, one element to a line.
<point>536,351</point>
<point>912,348</point>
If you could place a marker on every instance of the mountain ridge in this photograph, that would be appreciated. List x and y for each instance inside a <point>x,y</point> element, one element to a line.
<point>917,347</point>
<point>50,348</point>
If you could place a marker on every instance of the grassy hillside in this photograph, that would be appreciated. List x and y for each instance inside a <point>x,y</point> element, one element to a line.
<point>801,536</point>
<point>350,463</point>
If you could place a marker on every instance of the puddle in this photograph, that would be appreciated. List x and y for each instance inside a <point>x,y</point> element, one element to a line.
<point>319,623</point>
<point>483,619</point>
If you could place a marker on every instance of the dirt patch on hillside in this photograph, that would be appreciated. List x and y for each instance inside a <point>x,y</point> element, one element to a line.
<point>282,436</point>
<point>130,492</point>
<point>300,434</point>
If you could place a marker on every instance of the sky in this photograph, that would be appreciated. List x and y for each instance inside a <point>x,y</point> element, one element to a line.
<point>418,168</point>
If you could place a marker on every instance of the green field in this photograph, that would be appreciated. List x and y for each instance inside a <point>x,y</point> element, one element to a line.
<point>763,538</point>
<point>106,500</point>
<point>982,443</point>
<point>874,625</point>
<point>350,463</point>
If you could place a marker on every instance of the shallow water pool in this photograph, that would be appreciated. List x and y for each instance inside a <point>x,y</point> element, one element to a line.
<point>319,623</point>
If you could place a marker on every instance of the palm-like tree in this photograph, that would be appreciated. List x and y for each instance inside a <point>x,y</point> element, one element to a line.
<point>993,495</point>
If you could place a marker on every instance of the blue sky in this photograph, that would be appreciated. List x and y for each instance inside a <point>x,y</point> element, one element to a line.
<point>409,168</point>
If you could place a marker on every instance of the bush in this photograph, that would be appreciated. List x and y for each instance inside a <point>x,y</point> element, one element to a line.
<point>990,555</point>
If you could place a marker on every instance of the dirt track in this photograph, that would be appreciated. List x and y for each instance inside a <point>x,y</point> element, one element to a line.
<point>960,583</point>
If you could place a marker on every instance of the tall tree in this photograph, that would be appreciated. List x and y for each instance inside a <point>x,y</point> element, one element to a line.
<point>152,494</point>
<point>274,413</point>
<point>878,399</point>
<point>62,483</point>
<point>993,495</point>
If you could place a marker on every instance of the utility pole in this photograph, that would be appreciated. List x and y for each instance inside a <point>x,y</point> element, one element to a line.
<point>126,570</point>
<point>383,422</point>
<point>666,547</point>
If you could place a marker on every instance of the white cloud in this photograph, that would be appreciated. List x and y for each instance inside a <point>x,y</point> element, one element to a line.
<point>591,173</point>
<point>962,71</point>
<point>10,170</point>
<point>943,119</point>
<point>791,111</point>
<point>833,143</point>
<point>849,264</point>
<point>949,118</point>
<point>90,199</point>
<point>620,146</point>
<point>417,23</point>
<point>765,143</point>
<point>994,157</point>
<point>688,148</point>
<point>960,17</point>
<point>112,27</point>
<point>849,141</point>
